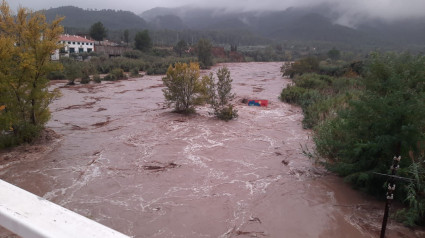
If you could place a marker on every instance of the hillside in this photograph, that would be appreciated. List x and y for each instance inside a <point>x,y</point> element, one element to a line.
<point>313,24</point>
<point>303,24</point>
<point>80,18</point>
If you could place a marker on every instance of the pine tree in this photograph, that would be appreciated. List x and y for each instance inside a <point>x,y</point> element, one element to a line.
<point>204,53</point>
<point>98,32</point>
<point>142,41</point>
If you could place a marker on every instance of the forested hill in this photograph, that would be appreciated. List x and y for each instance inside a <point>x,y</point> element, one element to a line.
<point>300,24</point>
<point>80,18</point>
<point>315,24</point>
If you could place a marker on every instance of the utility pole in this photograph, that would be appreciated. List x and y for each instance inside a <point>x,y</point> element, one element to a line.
<point>390,193</point>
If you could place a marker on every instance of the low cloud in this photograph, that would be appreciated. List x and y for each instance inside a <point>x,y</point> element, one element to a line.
<point>348,12</point>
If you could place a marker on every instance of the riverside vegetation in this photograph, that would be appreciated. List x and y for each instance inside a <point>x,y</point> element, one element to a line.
<point>363,114</point>
<point>185,89</point>
<point>26,42</point>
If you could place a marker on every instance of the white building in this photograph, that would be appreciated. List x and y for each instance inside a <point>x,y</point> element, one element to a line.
<point>73,44</point>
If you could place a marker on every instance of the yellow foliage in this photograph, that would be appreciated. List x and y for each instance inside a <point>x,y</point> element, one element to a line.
<point>184,88</point>
<point>26,43</point>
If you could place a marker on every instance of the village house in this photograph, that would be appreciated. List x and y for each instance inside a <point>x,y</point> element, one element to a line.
<point>73,44</point>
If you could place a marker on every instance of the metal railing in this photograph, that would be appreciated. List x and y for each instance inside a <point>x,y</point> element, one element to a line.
<point>28,215</point>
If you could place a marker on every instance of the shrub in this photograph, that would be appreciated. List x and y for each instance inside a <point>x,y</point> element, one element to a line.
<point>134,72</point>
<point>226,113</point>
<point>386,119</point>
<point>133,54</point>
<point>313,81</point>
<point>118,73</point>
<point>85,79</point>
<point>306,65</point>
<point>292,94</point>
<point>56,75</point>
<point>220,94</point>
<point>183,86</point>
<point>115,74</point>
<point>110,77</point>
<point>96,78</point>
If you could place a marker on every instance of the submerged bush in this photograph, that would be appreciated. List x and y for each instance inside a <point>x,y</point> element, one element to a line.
<point>220,94</point>
<point>116,74</point>
<point>184,88</point>
<point>96,78</point>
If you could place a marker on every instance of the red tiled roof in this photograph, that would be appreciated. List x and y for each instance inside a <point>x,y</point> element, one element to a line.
<point>74,38</point>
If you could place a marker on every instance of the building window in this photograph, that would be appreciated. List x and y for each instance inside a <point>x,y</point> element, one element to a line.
<point>80,50</point>
<point>69,42</point>
<point>71,50</point>
<point>89,50</point>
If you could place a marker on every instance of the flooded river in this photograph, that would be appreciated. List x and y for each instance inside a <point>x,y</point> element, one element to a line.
<point>123,159</point>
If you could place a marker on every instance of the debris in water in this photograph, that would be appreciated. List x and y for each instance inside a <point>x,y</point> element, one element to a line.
<point>160,168</point>
<point>255,219</point>
<point>257,89</point>
<point>251,233</point>
<point>258,103</point>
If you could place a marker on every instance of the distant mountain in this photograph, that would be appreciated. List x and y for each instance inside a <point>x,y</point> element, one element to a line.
<point>79,18</point>
<point>291,24</point>
<point>310,24</point>
<point>151,14</point>
<point>170,22</point>
<point>229,24</point>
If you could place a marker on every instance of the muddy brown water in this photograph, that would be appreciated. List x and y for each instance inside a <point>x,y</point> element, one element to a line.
<point>125,160</point>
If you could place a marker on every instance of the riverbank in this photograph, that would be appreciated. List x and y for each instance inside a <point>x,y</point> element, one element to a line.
<point>125,160</point>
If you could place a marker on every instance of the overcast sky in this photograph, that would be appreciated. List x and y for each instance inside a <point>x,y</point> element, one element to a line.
<point>351,10</point>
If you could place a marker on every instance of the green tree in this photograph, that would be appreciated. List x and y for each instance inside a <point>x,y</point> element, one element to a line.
<point>204,53</point>
<point>26,43</point>
<point>142,41</point>
<point>98,32</point>
<point>126,35</point>
<point>180,47</point>
<point>220,94</point>
<point>334,54</point>
<point>184,88</point>
<point>305,65</point>
<point>72,70</point>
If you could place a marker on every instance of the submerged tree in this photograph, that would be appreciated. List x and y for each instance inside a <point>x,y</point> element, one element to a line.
<point>220,94</point>
<point>26,44</point>
<point>184,88</point>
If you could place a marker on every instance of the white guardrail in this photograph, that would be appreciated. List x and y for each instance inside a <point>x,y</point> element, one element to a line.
<point>28,215</point>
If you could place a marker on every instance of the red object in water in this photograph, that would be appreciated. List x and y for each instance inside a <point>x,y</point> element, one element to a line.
<point>259,103</point>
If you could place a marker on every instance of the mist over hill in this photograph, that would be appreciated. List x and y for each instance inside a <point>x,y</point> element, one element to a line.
<point>305,24</point>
